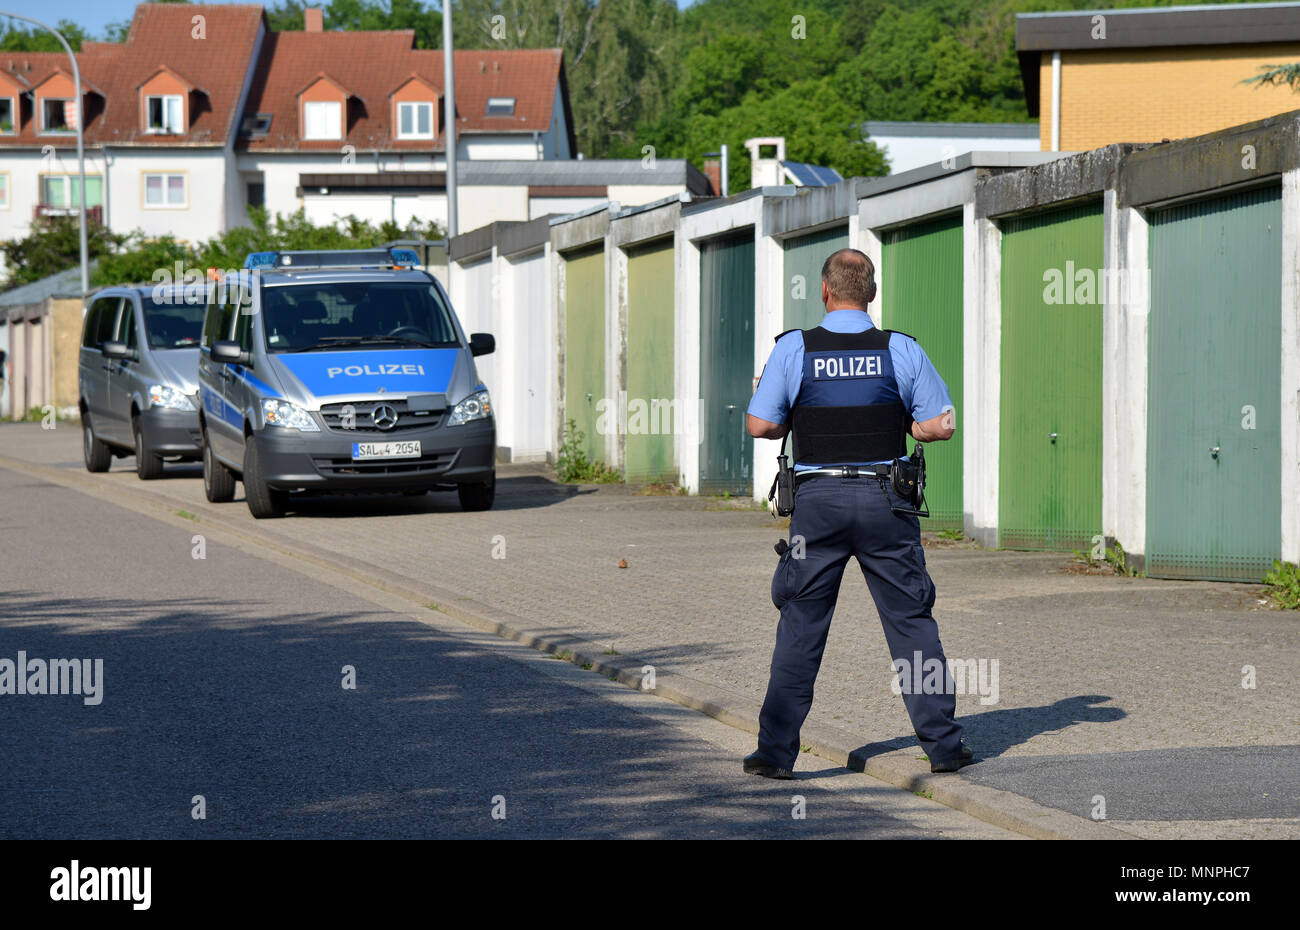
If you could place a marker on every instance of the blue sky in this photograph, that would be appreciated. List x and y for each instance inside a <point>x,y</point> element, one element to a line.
<point>95,15</point>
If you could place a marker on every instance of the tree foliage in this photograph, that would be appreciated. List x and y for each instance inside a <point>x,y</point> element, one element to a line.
<point>53,245</point>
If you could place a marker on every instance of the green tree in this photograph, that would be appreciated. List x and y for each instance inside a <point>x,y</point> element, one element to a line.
<point>53,245</point>
<point>17,38</point>
<point>139,259</point>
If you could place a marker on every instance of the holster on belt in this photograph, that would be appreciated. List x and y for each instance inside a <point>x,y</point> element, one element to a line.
<point>782,489</point>
<point>908,478</point>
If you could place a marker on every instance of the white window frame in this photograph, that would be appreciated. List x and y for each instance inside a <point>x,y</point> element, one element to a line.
<point>166,189</point>
<point>167,100</point>
<point>500,101</point>
<point>5,185</point>
<point>335,105</point>
<point>419,106</point>
<point>45,130</point>
<point>13,116</point>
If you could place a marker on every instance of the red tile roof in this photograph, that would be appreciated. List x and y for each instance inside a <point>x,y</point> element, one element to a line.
<point>372,65</point>
<point>161,35</point>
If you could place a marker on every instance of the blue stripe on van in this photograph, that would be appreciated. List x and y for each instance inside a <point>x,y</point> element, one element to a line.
<point>366,371</point>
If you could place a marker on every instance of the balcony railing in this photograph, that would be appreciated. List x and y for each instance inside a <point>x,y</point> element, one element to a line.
<point>93,214</point>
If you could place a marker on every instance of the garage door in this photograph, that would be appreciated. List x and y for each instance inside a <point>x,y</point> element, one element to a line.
<point>1214,410</point>
<point>1049,489</point>
<point>921,295</point>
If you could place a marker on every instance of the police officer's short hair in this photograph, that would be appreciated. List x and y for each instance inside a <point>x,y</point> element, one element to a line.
<point>850,276</point>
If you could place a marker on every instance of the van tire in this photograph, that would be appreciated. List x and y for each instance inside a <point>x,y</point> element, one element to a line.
<point>148,465</point>
<point>478,496</point>
<point>218,482</point>
<point>97,455</point>
<point>263,501</point>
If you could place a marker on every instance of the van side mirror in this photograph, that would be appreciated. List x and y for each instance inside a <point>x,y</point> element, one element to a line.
<point>113,349</point>
<point>229,352</point>
<point>482,344</point>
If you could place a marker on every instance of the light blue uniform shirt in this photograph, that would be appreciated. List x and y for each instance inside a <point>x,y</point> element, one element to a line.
<point>923,392</point>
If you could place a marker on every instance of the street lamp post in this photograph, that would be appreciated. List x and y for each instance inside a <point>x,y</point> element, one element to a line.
<point>81,147</point>
<point>449,114</point>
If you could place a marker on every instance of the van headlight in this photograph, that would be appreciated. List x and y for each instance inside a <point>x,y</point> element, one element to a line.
<point>478,406</point>
<point>290,416</point>
<point>164,395</point>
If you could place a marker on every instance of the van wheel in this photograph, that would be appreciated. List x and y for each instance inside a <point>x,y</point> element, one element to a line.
<point>97,455</point>
<point>218,482</point>
<point>263,501</point>
<point>478,496</point>
<point>147,465</point>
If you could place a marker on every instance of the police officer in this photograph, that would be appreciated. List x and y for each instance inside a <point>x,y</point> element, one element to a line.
<point>851,393</point>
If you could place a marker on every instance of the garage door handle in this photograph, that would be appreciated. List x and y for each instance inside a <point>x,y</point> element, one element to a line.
<point>731,406</point>
<point>1052,436</point>
<point>1214,452</point>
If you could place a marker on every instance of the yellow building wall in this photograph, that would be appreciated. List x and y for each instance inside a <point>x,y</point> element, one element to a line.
<point>1150,94</point>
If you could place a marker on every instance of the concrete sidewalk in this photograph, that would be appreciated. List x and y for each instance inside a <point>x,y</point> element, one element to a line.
<point>1099,677</point>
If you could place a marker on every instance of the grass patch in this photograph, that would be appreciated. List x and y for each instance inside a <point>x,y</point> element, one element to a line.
<point>187,515</point>
<point>563,655</point>
<point>1115,557</point>
<point>1284,585</point>
<point>432,606</point>
<point>572,465</point>
<point>952,535</point>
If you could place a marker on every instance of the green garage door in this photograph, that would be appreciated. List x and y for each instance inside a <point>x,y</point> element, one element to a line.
<point>921,295</point>
<point>1049,487</point>
<point>1214,442</point>
<point>584,344</point>
<point>652,417</point>
<point>726,362</point>
<point>804,257</point>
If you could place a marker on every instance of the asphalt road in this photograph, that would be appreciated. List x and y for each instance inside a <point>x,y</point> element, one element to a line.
<point>223,678</point>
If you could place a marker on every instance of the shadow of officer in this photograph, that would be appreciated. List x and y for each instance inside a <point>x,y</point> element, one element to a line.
<point>851,393</point>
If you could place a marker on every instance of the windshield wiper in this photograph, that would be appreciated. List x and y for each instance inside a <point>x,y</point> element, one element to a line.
<point>334,342</point>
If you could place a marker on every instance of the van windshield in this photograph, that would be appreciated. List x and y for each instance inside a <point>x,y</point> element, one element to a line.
<point>176,320</point>
<point>307,317</point>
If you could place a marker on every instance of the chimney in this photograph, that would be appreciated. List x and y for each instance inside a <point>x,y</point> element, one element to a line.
<point>314,19</point>
<point>713,171</point>
<point>765,172</point>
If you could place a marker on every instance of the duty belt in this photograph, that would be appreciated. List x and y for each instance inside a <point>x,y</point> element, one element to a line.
<point>843,471</point>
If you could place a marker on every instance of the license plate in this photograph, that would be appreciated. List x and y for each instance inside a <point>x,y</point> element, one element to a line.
<point>385,450</point>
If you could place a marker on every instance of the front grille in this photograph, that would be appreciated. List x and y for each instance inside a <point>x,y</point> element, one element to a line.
<point>343,466</point>
<point>334,417</point>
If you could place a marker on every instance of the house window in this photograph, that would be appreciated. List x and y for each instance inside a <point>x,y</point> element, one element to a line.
<point>62,191</point>
<point>164,114</point>
<point>256,194</point>
<point>58,115</point>
<point>164,190</point>
<point>415,121</point>
<point>322,119</point>
<point>8,121</point>
<point>500,106</point>
<point>4,191</point>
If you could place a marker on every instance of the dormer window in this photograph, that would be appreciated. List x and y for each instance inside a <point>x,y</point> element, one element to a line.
<point>415,120</point>
<point>322,119</point>
<point>58,115</point>
<point>8,115</point>
<point>500,106</point>
<point>165,113</point>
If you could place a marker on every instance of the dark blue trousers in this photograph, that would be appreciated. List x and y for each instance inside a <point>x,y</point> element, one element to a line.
<point>839,518</point>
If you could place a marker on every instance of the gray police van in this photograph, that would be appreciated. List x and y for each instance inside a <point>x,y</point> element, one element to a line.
<point>341,371</point>
<point>137,376</point>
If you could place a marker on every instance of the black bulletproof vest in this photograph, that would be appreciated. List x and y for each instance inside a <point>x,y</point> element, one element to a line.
<point>849,408</point>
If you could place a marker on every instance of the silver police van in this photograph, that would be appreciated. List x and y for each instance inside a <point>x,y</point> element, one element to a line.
<point>136,376</point>
<point>341,371</point>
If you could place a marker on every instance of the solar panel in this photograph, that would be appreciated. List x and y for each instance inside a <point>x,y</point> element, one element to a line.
<point>806,175</point>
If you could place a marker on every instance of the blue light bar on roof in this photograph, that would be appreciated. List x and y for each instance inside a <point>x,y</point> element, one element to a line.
<point>333,258</point>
